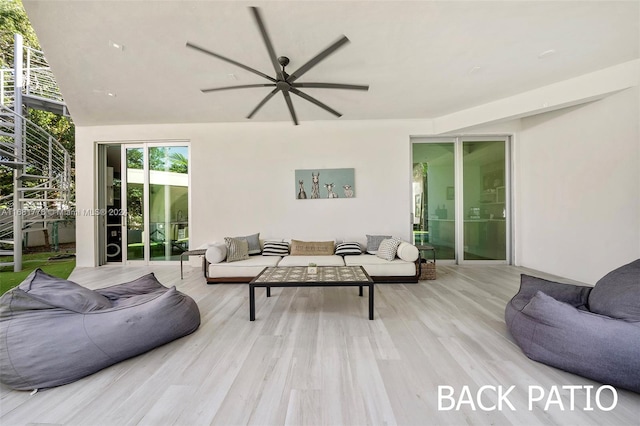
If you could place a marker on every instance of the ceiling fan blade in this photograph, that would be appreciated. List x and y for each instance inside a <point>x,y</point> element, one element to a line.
<point>332,86</point>
<point>231,61</point>
<point>262,102</point>
<point>316,59</point>
<point>244,86</point>
<point>287,98</point>
<point>267,41</point>
<point>315,101</point>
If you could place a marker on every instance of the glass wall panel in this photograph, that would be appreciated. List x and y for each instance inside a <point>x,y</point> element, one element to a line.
<point>168,202</point>
<point>484,203</point>
<point>135,203</point>
<point>434,197</point>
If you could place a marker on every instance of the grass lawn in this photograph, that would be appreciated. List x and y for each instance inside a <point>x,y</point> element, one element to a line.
<point>60,268</point>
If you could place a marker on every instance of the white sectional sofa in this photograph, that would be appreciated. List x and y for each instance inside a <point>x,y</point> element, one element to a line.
<point>404,268</point>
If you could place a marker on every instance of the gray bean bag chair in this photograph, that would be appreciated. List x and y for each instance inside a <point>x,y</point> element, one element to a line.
<point>54,331</point>
<point>590,331</point>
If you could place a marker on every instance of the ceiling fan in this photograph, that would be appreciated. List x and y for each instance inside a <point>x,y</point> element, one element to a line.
<point>284,82</point>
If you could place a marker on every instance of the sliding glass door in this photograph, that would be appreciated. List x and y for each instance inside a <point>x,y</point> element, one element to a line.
<point>484,207</point>
<point>433,195</point>
<point>156,194</point>
<point>460,197</point>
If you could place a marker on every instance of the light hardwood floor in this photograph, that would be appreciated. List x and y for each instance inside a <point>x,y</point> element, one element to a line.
<point>312,357</point>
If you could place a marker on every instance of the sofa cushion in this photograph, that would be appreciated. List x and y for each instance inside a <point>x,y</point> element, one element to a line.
<point>312,248</point>
<point>275,248</point>
<point>332,260</point>
<point>216,252</point>
<point>373,242</point>
<point>61,293</point>
<point>250,267</point>
<point>617,294</point>
<point>344,249</point>
<point>408,252</point>
<point>388,249</point>
<point>376,266</point>
<point>237,249</point>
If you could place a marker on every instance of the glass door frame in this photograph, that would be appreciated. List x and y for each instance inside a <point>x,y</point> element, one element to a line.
<point>458,144</point>
<point>146,260</point>
<point>125,204</point>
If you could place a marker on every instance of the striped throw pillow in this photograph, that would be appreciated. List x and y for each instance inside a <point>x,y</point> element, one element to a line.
<point>275,248</point>
<point>237,249</point>
<point>388,249</point>
<point>344,249</point>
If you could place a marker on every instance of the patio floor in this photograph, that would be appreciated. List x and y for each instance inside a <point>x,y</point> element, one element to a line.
<point>312,357</point>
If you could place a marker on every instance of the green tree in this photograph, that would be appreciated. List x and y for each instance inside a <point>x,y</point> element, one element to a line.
<point>13,19</point>
<point>179,163</point>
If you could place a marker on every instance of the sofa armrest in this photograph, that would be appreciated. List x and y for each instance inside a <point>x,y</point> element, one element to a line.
<point>573,295</point>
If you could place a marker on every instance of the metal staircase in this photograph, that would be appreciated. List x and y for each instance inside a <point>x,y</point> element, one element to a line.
<point>41,166</point>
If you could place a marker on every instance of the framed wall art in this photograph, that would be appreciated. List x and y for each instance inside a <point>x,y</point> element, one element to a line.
<point>324,183</point>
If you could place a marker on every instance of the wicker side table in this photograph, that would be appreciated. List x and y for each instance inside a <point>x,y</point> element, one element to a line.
<point>427,264</point>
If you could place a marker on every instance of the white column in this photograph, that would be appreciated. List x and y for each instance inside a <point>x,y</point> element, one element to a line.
<point>17,174</point>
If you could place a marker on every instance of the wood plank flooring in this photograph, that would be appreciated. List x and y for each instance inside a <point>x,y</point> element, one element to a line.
<point>313,358</point>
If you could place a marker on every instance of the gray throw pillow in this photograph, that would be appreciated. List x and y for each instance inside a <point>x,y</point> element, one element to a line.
<point>373,242</point>
<point>254,243</point>
<point>617,294</point>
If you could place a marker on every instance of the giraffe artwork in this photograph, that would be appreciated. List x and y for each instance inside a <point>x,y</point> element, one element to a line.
<point>338,183</point>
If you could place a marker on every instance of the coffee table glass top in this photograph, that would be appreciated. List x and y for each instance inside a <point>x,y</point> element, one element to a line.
<point>295,274</point>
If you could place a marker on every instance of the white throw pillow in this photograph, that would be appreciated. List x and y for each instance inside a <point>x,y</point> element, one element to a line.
<point>216,253</point>
<point>408,252</point>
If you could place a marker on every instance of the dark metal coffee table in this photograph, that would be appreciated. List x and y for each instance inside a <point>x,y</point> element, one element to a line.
<point>297,276</point>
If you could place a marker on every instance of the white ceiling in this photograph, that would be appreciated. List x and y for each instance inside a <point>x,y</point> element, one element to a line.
<point>418,57</point>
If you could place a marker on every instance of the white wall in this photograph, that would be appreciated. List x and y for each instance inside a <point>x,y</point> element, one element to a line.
<point>242,178</point>
<point>576,175</point>
<point>578,188</point>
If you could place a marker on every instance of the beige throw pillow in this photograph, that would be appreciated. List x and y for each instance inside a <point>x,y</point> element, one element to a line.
<point>237,249</point>
<point>312,248</point>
